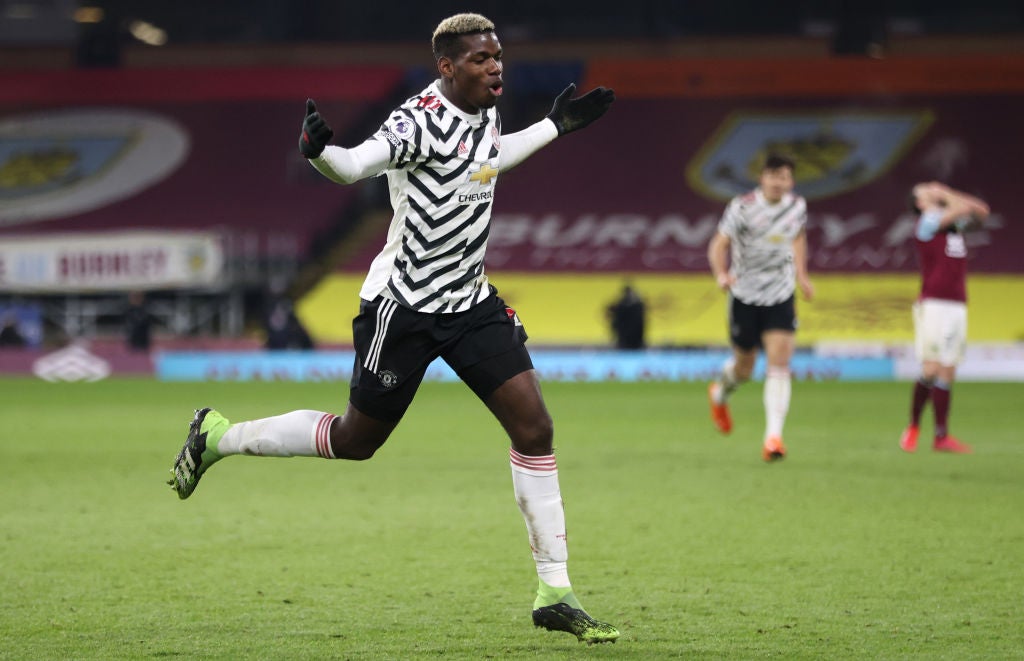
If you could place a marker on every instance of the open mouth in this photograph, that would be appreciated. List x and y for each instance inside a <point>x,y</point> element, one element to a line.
<point>496,88</point>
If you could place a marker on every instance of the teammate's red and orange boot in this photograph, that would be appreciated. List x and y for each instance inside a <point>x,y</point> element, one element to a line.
<point>908,440</point>
<point>719,409</point>
<point>950,444</point>
<point>773,449</point>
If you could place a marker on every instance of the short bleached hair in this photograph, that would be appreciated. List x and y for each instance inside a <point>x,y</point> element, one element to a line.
<point>448,32</point>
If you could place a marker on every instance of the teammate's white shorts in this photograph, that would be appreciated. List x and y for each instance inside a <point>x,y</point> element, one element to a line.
<point>940,331</point>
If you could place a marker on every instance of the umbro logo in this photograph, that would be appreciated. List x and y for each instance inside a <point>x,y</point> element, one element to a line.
<point>74,363</point>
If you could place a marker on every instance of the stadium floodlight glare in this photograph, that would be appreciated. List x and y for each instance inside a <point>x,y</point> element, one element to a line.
<point>147,33</point>
<point>88,15</point>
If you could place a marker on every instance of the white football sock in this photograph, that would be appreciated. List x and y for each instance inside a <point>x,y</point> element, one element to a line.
<point>776,399</point>
<point>296,434</point>
<point>535,482</point>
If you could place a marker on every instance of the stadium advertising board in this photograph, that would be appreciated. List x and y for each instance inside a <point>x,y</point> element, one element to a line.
<point>189,149</point>
<point>580,366</point>
<point>113,261</point>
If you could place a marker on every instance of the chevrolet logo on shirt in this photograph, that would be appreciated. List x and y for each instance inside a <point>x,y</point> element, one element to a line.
<point>484,174</point>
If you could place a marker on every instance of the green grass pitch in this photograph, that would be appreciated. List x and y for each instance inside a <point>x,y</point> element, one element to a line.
<point>686,540</point>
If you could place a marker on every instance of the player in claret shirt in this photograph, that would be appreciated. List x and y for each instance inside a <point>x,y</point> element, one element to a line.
<point>940,313</point>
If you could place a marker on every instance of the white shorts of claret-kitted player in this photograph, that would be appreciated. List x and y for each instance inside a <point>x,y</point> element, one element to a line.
<point>940,331</point>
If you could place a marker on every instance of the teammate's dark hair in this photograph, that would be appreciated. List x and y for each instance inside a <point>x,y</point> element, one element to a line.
<point>776,161</point>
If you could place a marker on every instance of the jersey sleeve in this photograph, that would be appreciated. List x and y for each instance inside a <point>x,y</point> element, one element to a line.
<point>730,223</point>
<point>516,147</point>
<point>928,225</point>
<point>405,138</point>
<point>802,216</point>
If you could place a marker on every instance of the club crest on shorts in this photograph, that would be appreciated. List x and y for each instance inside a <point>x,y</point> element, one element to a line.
<point>388,379</point>
<point>512,316</point>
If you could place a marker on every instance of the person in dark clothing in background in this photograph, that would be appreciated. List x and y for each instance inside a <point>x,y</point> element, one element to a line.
<point>138,323</point>
<point>284,329</point>
<point>628,317</point>
<point>10,334</point>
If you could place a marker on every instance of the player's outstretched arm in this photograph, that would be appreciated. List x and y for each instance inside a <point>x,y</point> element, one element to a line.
<point>570,114</point>
<point>342,166</point>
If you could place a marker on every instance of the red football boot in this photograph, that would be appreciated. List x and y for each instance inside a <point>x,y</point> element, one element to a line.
<point>950,444</point>
<point>908,441</point>
<point>719,412</point>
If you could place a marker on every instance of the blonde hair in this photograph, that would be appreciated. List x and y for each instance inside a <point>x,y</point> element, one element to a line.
<point>447,33</point>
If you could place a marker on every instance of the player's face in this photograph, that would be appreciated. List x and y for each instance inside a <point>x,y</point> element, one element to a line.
<point>475,80</point>
<point>775,183</point>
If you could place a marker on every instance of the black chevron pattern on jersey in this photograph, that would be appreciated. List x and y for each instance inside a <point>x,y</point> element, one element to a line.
<point>430,244</point>
<point>471,274</point>
<point>436,242</point>
<point>442,179</point>
<point>434,223</point>
<point>478,135</point>
<point>410,260</point>
<point>785,211</point>
<point>424,189</point>
<point>762,236</point>
<point>430,250</point>
<point>444,158</point>
<point>436,131</point>
<point>465,302</point>
<point>479,242</point>
<point>414,266</point>
<point>398,296</point>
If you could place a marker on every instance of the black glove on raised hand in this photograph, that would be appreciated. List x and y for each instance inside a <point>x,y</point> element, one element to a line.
<point>315,132</point>
<point>572,114</point>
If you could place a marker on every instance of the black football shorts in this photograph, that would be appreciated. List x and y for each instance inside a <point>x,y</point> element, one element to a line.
<point>394,346</point>
<point>747,322</point>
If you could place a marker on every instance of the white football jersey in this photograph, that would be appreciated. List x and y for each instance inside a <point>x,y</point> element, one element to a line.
<point>761,237</point>
<point>442,174</point>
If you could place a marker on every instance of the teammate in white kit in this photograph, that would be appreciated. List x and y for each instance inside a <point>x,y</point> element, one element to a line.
<point>426,296</point>
<point>759,256</point>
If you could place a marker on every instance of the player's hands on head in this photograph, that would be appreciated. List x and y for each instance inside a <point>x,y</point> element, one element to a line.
<point>570,114</point>
<point>315,132</point>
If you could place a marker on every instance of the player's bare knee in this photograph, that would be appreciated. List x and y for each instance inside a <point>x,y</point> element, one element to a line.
<point>534,437</point>
<point>354,451</point>
<point>352,444</point>
<point>743,372</point>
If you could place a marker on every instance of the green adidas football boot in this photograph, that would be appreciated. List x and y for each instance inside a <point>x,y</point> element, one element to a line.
<point>558,609</point>
<point>199,452</point>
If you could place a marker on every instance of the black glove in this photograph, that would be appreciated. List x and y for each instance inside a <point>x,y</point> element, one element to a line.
<point>315,132</point>
<point>573,114</point>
